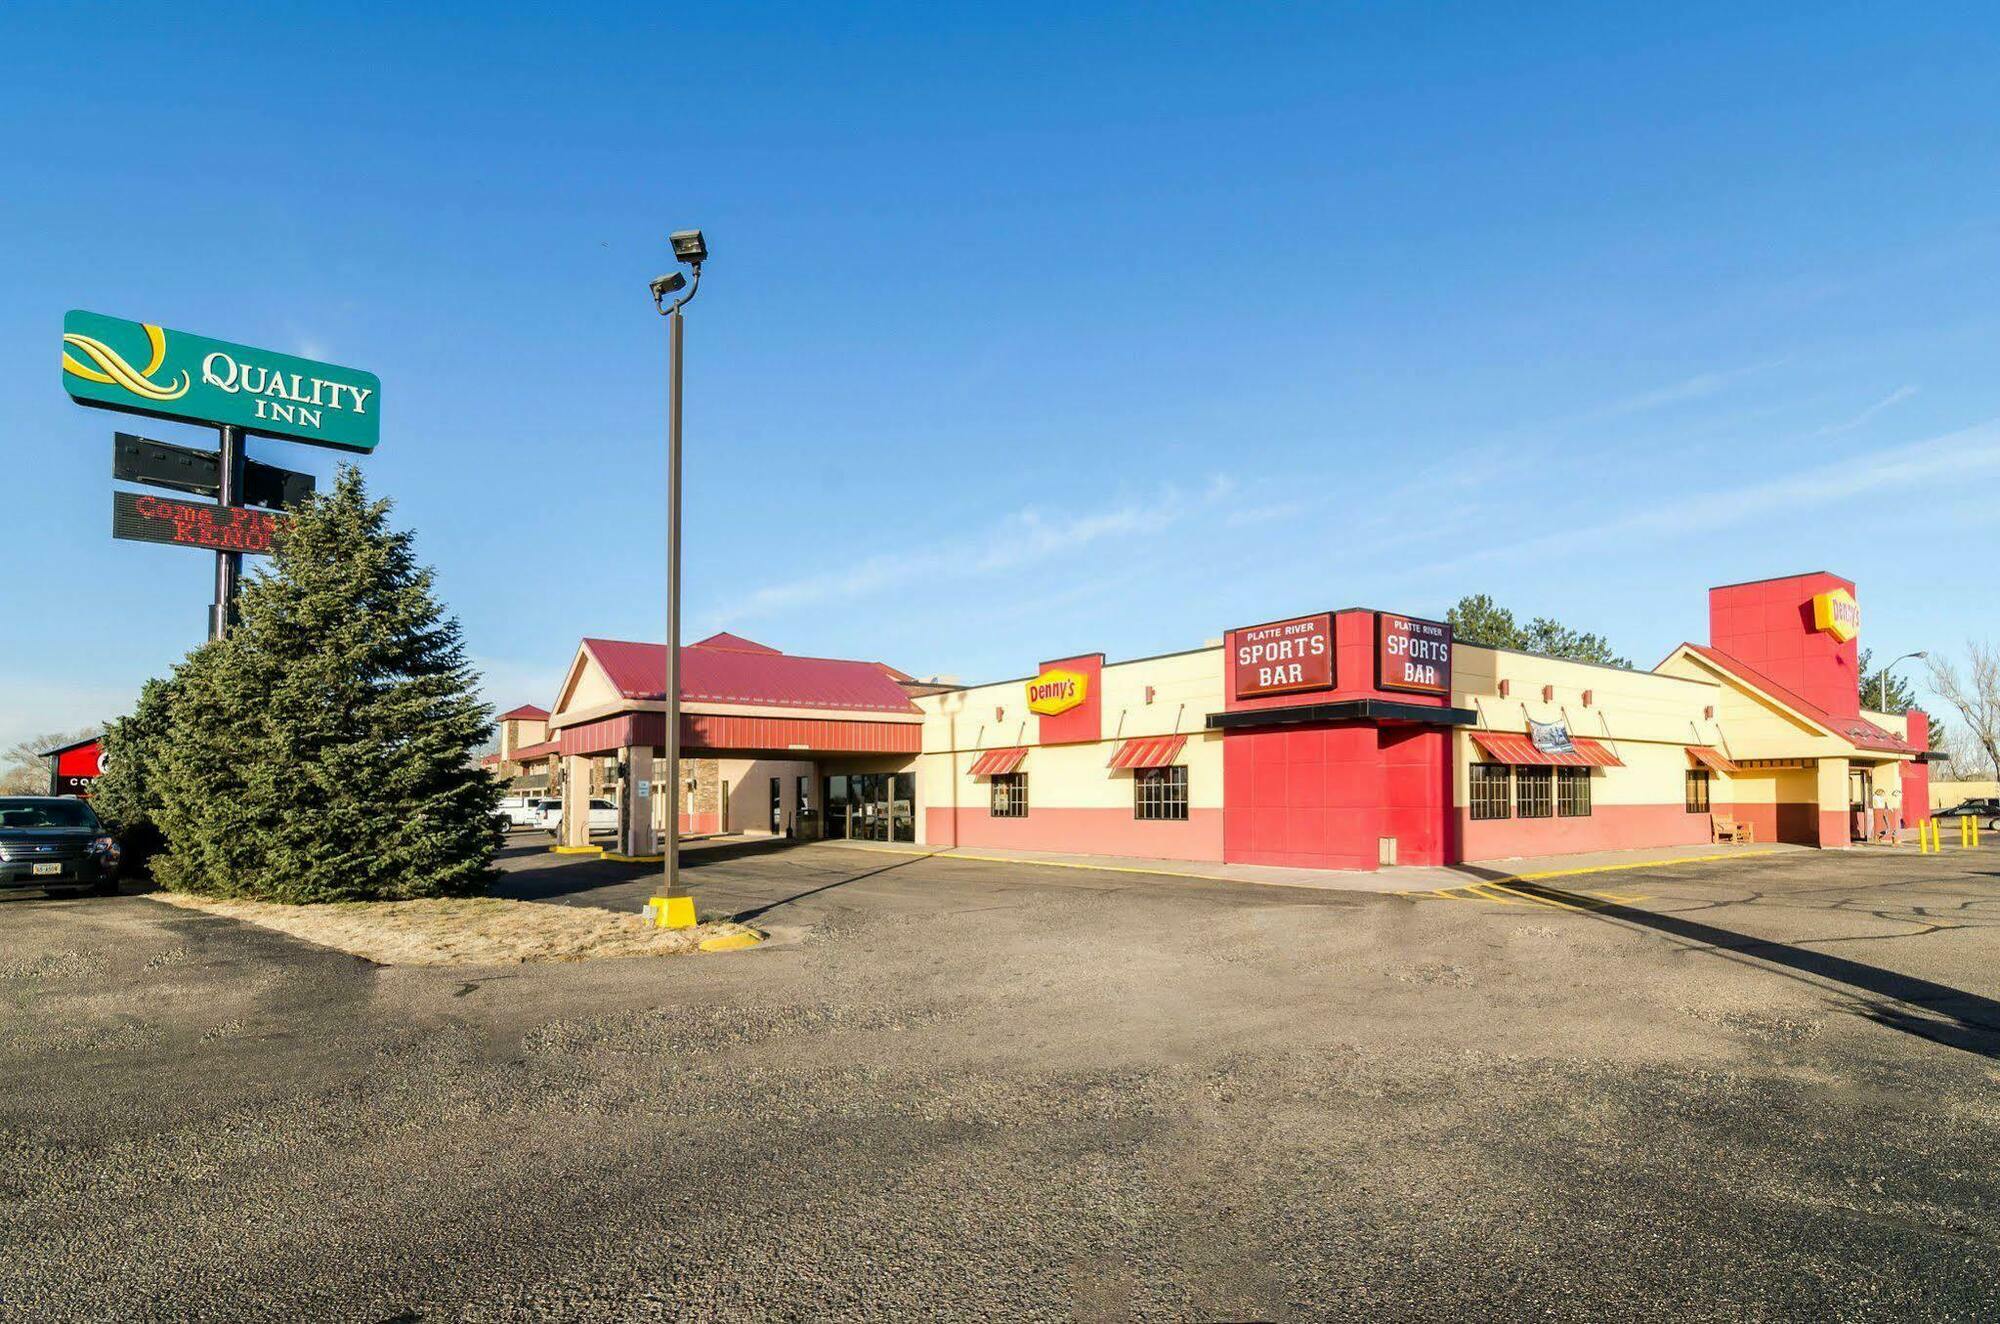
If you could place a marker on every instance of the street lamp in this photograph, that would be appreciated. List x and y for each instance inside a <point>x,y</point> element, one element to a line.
<point>691,249</point>
<point>1882,680</point>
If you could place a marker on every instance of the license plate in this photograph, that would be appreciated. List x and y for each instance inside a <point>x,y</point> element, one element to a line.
<point>47,870</point>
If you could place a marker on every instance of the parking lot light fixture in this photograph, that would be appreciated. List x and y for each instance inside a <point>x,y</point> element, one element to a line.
<point>691,249</point>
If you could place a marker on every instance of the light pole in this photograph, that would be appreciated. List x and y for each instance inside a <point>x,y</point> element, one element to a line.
<point>689,248</point>
<point>1882,680</point>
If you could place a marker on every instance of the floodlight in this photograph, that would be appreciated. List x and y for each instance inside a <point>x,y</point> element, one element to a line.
<point>689,246</point>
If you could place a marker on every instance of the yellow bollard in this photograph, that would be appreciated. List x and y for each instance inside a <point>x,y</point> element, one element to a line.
<point>671,912</point>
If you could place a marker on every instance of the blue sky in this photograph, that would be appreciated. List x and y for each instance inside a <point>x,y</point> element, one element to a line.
<point>1105,331</point>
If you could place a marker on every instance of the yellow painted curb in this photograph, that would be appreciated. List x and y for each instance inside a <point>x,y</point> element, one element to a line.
<point>1633,864</point>
<point>635,859</point>
<point>731,942</point>
<point>578,850</point>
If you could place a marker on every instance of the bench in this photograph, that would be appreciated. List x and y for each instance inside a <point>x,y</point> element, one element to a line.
<point>1729,829</point>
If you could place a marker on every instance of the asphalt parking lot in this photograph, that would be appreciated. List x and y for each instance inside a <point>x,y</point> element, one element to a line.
<point>946,1089</point>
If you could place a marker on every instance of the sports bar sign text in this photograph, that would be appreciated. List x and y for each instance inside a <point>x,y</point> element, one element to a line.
<point>145,518</point>
<point>141,368</point>
<point>1412,654</point>
<point>1282,657</point>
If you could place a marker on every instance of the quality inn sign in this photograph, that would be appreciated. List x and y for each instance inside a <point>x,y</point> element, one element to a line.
<point>141,368</point>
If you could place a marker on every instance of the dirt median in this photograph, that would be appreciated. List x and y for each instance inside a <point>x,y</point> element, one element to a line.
<point>463,931</point>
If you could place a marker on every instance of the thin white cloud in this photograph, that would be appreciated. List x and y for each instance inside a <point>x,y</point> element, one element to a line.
<point>1862,419</point>
<point>1025,537</point>
<point>1970,453</point>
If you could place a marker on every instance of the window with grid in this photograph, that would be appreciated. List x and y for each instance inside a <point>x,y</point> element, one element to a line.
<point>1491,791</point>
<point>1534,792</point>
<point>1160,793</point>
<point>1697,794</point>
<point>1010,795</point>
<point>1573,792</point>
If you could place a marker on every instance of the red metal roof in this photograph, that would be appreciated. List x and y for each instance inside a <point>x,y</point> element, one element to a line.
<point>1513,747</point>
<point>1705,756</point>
<point>735,643</point>
<point>526,712</point>
<point>1857,731</point>
<point>998,762</point>
<point>1148,752</point>
<point>528,753</point>
<point>746,673</point>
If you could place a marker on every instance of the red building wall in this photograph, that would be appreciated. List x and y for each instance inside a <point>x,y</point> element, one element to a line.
<point>1768,623</point>
<point>1322,795</point>
<point>1917,776</point>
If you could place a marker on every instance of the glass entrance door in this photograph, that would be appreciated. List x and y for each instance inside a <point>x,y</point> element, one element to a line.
<point>871,806</point>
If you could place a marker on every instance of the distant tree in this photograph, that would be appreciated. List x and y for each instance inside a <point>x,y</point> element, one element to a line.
<point>126,796</point>
<point>1901,695</point>
<point>1975,694</point>
<point>1477,619</point>
<point>23,770</point>
<point>322,751</point>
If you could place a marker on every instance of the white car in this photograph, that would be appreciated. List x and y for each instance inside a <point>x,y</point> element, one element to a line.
<point>603,816</point>
<point>522,811</point>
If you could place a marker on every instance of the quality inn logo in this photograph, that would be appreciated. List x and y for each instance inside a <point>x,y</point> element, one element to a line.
<point>113,370</point>
<point>143,368</point>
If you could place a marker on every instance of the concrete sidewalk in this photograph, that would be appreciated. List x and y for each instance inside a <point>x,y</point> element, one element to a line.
<point>1402,879</point>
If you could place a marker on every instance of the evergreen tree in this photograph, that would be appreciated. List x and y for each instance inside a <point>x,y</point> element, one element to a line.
<point>1477,619</point>
<point>1901,695</point>
<point>323,751</point>
<point>125,795</point>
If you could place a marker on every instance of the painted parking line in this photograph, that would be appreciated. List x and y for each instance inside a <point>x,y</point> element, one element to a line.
<point>1499,893</point>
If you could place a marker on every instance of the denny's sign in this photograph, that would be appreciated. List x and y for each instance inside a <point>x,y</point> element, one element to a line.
<point>1057,691</point>
<point>141,368</point>
<point>1837,614</point>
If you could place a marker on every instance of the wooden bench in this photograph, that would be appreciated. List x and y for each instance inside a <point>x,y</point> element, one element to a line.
<point>1729,829</point>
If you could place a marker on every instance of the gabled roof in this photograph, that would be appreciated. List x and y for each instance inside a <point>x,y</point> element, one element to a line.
<point>735,643</point>
<point>1857,731</point>
<point>753,676</point>
<point>74,744</point>
<point>526,712</point>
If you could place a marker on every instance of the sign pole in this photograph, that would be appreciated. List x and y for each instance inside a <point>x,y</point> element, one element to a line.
<point>673,742</point>
<point>228,565</point>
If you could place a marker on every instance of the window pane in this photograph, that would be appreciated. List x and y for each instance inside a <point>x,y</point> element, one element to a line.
<point>1534,793</point>
<point>1697,792</point>
<point>1490,791</point>
<point>1010,795</point>
<point>1160,794</point>
<point>1573,792</point>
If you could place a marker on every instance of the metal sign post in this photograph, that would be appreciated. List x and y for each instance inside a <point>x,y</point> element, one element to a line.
<point>228,565</point>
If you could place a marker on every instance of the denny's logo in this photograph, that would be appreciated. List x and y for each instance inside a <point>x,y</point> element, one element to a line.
<point>1837,613</point>
<point>141,368</point>
<point>1056,691</point>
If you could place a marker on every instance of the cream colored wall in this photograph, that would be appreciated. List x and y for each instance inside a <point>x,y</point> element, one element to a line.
<point>958,725</point>
<point>1945,795</point>
<point>749,782</point>
<point>1752,728</point>
<point>1648,720</point>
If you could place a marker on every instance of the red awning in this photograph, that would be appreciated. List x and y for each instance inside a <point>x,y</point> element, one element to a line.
<point>1703,756</point>
<point>1509,747</point>
<point>998,762</point>
<point>1148,752</point>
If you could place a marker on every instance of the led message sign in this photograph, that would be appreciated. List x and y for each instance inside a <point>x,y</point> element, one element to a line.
<point>1412,654</point>
<point>1282,657</point>
<point>147,518</point>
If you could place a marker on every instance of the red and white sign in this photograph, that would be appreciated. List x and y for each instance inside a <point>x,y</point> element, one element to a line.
<point>1412,654</point>
<point>1283,657</point>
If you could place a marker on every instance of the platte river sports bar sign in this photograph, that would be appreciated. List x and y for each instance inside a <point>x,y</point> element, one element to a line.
<point>141,368</point>
<point>1283,657</point>
<point>1412,654</point>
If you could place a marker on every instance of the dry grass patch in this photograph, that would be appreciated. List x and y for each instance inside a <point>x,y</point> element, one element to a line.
<point>465,931</point>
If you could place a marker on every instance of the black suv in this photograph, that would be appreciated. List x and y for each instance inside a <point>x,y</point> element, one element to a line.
<point>1986,811</point>
<point>55,843</point>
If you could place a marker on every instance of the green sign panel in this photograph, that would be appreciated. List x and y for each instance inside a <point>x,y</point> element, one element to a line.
<point>145,369</point>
